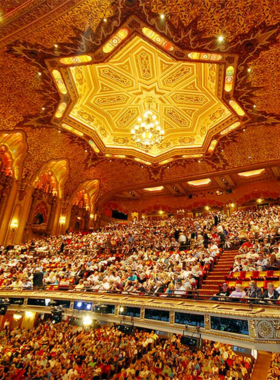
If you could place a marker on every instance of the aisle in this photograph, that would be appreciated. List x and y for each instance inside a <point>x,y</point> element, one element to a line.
<point>262,366</point>
<point>217,276</point>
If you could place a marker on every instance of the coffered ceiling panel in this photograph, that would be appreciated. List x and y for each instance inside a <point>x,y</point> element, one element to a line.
<point>185,96</point>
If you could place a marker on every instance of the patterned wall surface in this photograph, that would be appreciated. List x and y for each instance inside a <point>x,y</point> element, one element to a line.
<point>29,31</point>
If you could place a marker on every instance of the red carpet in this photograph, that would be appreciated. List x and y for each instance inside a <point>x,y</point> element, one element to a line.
<point>217,276</point>
<point>262,366</point>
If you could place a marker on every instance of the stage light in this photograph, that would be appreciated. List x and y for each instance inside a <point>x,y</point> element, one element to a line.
<point>89,306</point>
<point>87,321</point>
<point>79,304</point>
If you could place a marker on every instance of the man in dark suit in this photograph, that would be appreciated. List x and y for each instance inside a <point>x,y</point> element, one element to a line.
<point>38,279</point>
<point>217,219</point>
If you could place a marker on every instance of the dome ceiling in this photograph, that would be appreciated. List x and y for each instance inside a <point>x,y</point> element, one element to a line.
<point>184,96</point>
<point>40,36</point>
<point>104,92</point>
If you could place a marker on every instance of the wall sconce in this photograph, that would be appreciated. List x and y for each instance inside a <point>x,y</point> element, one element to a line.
<point>29,314</point>
<point>180,212</point>
<point>207,208</point>
<point>62,220</point>
<point>14,224</point>
<point>259,200</point>
<point>160,212</point>
<point>232,205</point>
<point>17,317</point>
<point>91,216</point>
<point>121,309</point>
<point>78,217</point>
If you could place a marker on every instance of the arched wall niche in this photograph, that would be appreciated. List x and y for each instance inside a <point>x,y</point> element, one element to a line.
<point>52,176</point>
<point>13,150</point>
<point>83,205</point>
<point>86,193</point>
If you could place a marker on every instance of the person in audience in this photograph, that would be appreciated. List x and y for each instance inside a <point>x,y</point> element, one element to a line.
<point>222,294</point>
<point>262,262</point>
<point>238,292</point>
<point>272,263</point>
<point>270,294</point>
<point>253,291</point>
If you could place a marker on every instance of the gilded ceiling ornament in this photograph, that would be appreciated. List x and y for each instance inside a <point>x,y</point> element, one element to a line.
<point>120,140</point>
<point>186,140</point>
<point>193,35</point>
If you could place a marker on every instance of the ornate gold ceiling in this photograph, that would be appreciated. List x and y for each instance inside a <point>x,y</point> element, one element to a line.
<point>29,103</point>
<point>185,97</point>
<point>105,92</point>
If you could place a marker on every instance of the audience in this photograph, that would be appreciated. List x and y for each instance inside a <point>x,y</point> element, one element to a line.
<point>169,256</point>
<point>63,351</point>
<point>274,372</point>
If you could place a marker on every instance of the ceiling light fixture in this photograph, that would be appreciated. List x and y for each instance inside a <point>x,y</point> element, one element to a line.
<point>220,38</point>
<point>148,132</point>
<point>162,16</point>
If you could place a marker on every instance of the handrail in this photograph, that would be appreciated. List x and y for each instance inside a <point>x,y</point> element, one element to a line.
<point>192,295</point>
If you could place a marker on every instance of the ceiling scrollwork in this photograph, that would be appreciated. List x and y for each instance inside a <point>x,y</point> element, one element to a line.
<point>30,101</point>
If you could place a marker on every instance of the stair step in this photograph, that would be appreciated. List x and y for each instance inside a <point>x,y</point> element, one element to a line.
<point>216,278</point>
<point>220,272</point>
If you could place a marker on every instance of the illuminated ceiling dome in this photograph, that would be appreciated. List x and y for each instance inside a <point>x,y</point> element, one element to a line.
<point>186,96</point>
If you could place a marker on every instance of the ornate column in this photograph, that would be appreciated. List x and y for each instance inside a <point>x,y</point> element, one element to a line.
<point>65,214</point>
<point>87,221</point>
<point>36,196</point>
<point>53,203</point>
<point>6,183</point>
<point>18,209</point>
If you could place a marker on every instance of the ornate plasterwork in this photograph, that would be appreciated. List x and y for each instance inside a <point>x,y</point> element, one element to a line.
<point>15,146</point>
<point>184,95</point>
<point>59,169</point>
<point>188,26</point>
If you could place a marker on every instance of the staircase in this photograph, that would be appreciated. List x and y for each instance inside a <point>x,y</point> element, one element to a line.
<point>262,366</point>
<point>217,276</point>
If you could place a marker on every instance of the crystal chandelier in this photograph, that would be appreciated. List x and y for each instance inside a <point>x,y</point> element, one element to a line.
<point>147,133</point>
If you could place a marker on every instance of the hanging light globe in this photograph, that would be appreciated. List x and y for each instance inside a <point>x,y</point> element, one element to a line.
<point>147,133</point>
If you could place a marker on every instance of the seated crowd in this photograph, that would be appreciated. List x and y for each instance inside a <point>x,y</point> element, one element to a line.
<point>147,257</point>
<point>67,352</point>
<point>144,257</point>
<point>253,293</point>
<point>274,372</point>
<point>256,269</point>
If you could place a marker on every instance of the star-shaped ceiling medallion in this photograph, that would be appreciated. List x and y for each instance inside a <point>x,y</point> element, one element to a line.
<point>104,92</point>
